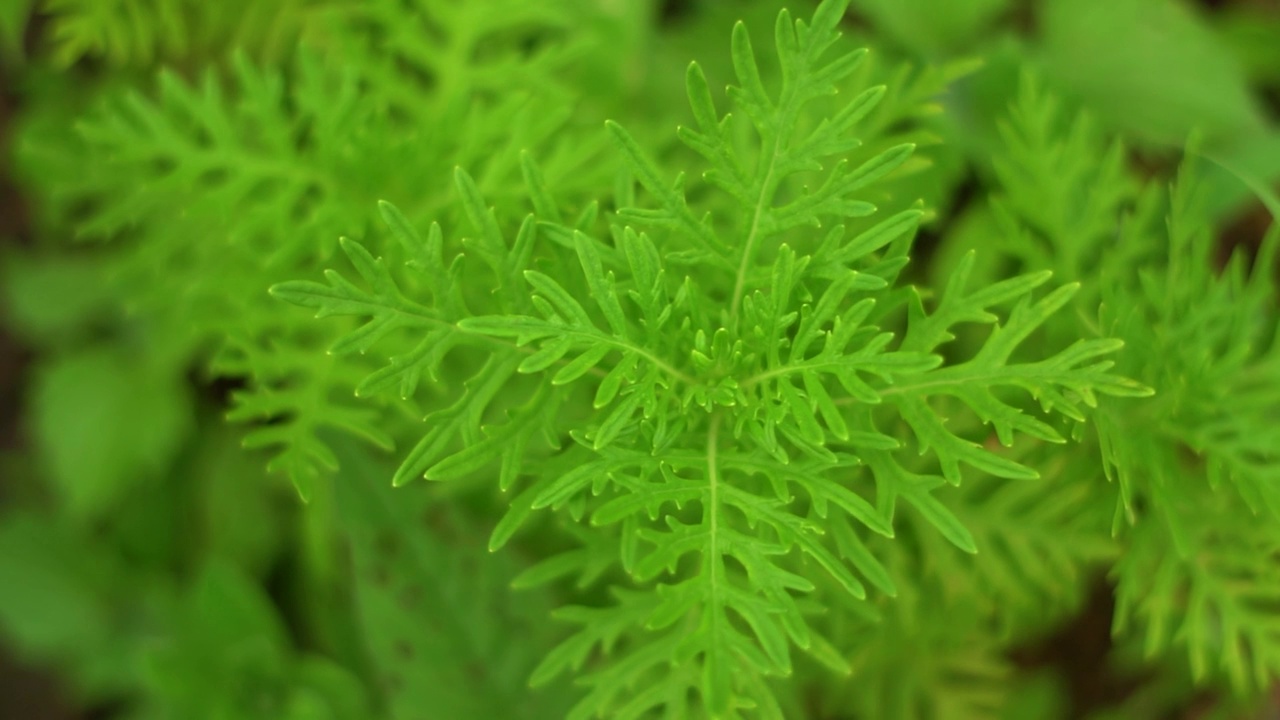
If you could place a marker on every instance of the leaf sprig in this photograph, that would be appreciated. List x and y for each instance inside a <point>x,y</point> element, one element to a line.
<point>738,432</point>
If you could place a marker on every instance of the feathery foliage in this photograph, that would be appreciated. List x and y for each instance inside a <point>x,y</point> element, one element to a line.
<point>1195,465</point>
<point>754,413</point>
<point>859,395</point>
<point>296,155</point>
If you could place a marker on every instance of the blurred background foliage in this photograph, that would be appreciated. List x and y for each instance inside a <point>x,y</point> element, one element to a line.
<point>151,567</point>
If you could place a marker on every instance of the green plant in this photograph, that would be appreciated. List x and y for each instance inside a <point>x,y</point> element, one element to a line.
<point>829,406</point>
<point>766,393</point>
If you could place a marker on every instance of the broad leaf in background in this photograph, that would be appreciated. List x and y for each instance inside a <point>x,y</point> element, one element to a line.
<point>1149,67</point>
<point>13,24</point>
<point>446,636</point>
<point>63,601</point>
<point>934,28</point>
<point>1156,71</point>
<point>92,453</point>
<point>228,656</point>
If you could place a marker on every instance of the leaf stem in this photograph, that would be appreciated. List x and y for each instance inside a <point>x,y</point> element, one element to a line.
<point>753,236</point>
<point>715,565</point>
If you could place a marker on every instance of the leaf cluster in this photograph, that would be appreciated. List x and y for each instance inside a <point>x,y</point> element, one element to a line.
<point>849,398</point>
<point>754,408</point>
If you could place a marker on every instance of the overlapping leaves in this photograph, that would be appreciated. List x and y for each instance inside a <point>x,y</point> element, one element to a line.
<point>735,432</point>
<point>1195,464</point>
<point>213,189</point>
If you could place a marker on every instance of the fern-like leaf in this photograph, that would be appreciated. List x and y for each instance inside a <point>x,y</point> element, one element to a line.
<point>735,433</point>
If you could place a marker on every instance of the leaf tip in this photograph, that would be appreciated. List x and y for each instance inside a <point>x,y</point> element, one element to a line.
<point>1041,277</point>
